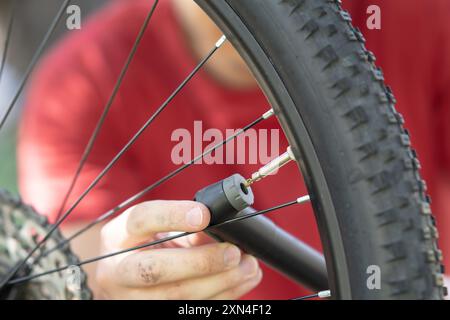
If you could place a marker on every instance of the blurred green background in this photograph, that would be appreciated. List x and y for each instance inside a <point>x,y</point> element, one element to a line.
<point>31,22</point>
<point>8,160</point>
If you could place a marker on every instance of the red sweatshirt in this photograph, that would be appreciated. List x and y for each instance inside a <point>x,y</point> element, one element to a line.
<point>73,83</point>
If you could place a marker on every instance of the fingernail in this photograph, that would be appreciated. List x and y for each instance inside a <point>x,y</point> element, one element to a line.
<point>249,267</point>
<point>232,256</point>
<point>194,217</point>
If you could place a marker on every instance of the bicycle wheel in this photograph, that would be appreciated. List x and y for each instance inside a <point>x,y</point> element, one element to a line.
<point>339,117</point>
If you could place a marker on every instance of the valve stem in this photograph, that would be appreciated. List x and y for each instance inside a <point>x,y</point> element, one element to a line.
<point>271,167</point>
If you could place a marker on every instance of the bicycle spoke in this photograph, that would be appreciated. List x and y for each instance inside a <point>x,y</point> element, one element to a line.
<point>160,241</point>
<point>106,109</point>
<point>171,175</point>
<point>14,270</point>
<point>34,61</point>
<point>8,37</point>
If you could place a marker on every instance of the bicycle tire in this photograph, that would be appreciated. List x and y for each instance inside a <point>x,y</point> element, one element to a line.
<point>356,157</point>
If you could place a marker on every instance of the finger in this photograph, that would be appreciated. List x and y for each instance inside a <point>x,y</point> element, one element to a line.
<point>193,240</point>
<point>181,242</point>
<point>241,290</point>
<point>160,266</point>
<point>199,239</point>
<point>199,288</point>
<point>139,223</point>
<point>210,286</point>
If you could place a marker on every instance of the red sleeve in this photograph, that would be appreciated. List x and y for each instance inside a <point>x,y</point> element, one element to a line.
<point>62,108</point>
<point>441,70</point>
<point>442,98</point>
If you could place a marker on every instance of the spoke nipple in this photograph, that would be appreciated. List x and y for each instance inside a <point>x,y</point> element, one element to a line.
<point>268,114</point>
<point>303,199</point>
<point>220,42</point>
<point>324,294</point>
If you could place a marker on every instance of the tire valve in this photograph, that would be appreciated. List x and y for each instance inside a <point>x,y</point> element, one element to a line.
<point>271,167</point>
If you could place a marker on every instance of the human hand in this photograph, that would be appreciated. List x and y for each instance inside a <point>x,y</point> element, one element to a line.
<point>188,269</point>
